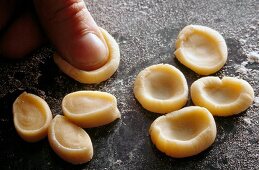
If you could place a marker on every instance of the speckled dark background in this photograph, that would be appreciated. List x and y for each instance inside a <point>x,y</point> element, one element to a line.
<point>146,31</point>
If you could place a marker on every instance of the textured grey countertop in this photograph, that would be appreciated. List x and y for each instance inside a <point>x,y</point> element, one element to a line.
<point>146,32</point>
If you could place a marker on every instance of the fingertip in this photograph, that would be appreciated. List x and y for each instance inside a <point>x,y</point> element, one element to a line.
<point>87,52</point>
<point>73,32</point>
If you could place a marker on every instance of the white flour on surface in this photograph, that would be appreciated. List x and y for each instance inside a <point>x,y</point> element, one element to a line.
<point>248,68</point>
<point>253,57</point>
<point>256,101</point>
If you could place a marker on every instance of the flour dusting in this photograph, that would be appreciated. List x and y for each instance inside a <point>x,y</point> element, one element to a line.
<point>253,57</point>
<point>256,101</point>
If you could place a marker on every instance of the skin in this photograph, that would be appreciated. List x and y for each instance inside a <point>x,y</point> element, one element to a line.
<point>67,24</point>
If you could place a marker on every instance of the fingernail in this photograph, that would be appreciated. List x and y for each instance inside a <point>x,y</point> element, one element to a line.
<point>89,52</point>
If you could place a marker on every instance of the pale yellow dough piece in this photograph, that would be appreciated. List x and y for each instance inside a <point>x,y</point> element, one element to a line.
<point>224,97</point>
<point>98,75</point>
<point>201,49</point>
<point>185,132</point>
<point>161,88</point>
<point>69,141</point>
<point>32,116</point>
<point>90,108</point>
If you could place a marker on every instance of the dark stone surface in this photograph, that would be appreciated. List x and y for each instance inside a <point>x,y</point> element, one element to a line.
<point>146,32</point>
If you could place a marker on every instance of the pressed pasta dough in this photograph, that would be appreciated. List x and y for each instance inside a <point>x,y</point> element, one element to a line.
<point>90,108</point>
<point>201,49</point>
<point>161,88</point>
<point>69,141</point>
<point>224,97</point>
<point>185,132</point>
<point>32,117</point>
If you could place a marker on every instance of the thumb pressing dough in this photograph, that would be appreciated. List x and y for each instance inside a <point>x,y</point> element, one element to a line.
<point>98,75</point>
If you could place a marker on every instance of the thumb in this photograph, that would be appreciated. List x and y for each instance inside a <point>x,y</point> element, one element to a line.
<point>73,32</point>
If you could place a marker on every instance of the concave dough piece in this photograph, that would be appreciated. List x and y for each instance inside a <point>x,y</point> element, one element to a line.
<point>161,88</point>
<point>185,132</point>
<point>32,116</point>
<point>69,141</point>
<point>224,97</point>
<point>98,75</point>
<point>201,49</point>
<point>90,108</point>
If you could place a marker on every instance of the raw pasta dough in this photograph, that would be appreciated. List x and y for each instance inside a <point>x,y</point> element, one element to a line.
<point>201,49</point>
<point>32,117</point>
<point>222,97</point>
<point>69,141</point>
<point>185,132</point>
<point>161,88</point>
<point>90,108</point>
